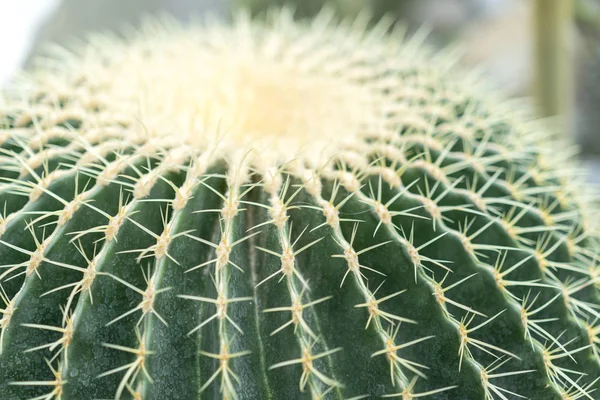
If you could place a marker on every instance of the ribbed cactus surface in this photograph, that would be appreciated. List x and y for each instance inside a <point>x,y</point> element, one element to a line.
<point>285,210</point>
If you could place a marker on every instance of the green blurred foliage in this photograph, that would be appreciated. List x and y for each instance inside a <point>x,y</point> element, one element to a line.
<point>345,8</point>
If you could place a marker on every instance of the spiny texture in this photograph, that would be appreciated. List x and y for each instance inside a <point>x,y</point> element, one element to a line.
<point>286,211</point>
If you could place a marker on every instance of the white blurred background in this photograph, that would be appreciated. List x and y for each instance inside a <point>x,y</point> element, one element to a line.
<point>20,22</point>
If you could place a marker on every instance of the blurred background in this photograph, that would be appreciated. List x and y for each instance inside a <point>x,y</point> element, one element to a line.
<point>548,50</point>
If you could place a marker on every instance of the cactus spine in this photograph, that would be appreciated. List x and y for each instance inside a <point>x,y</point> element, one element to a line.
<point>286,210</point>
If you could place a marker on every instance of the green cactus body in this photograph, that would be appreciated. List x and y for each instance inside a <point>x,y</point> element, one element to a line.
<point>284,211</point>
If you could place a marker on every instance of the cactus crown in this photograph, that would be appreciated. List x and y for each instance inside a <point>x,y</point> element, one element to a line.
<point>325,93</point>
<point>286,210</point>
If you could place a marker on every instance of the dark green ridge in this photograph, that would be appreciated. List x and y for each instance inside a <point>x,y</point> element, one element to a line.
<point>481,291</point>
<point>328,341</point>
<point>495,235</point>
<point>250,369</point>
<point>11,145</point>
<point>174,363</point>
<point>440,353</point>
<point>33,305</point>
<point>278,289</point>
<point>284,345</point>
<point>8,171</point>
<point>13,200</point>
<point>61,162</point>
<point>18,234</point>
<point>410,303</point>
<point>91,331</point>
<point>276,292</point>
<point>13,148</point>
<point>342,324</point>
<point>530,218</point>
<point>570,328</point>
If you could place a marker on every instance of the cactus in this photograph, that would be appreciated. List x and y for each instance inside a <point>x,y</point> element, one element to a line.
<point>287,210</point>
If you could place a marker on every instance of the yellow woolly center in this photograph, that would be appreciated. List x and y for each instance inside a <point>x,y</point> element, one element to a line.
<point>281,94</point>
